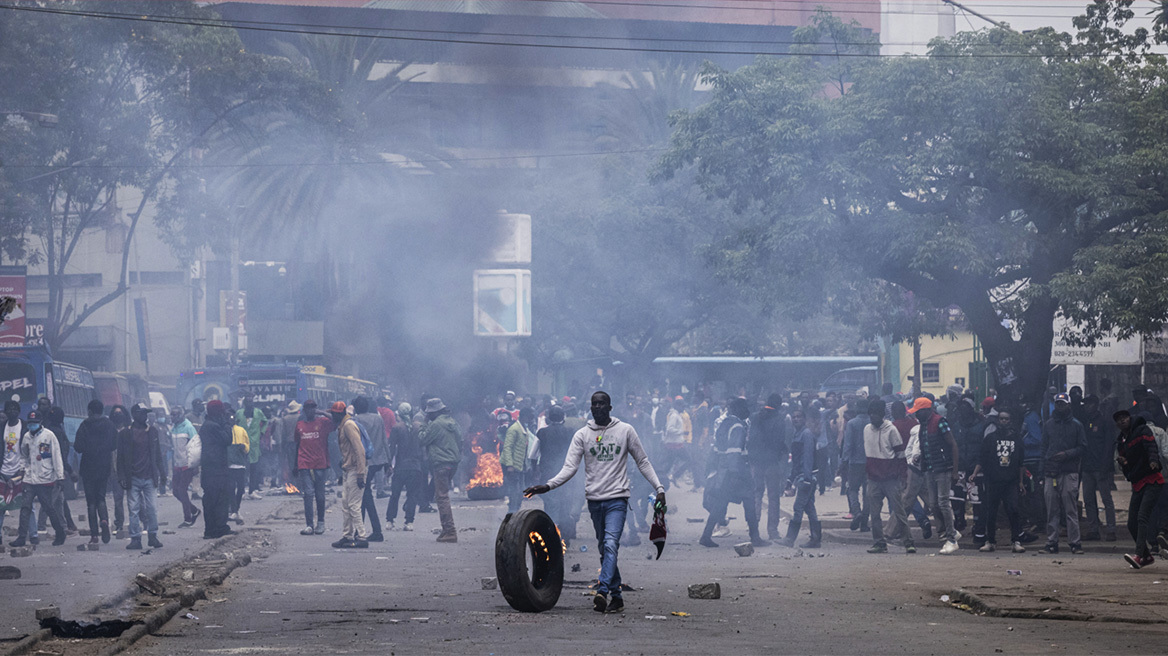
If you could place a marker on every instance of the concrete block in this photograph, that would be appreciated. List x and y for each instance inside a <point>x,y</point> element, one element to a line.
<point>490,583</point>
<point>20,552</point>
<point>149,585</point>
<point>92,546</point>
<point>705,591</point>
<point>8,572</point>
<point>744,549</point>
<point>47,612</point>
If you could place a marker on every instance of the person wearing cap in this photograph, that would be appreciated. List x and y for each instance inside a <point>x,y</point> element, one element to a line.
<point>938,462</point>
<point>310,440</point>
<point>43,472</point>
<point>286,428</point>
<point>215,439</point>
<point>1063,443</point>
<point>353,471</point>
<point>141,471</point>
<point>237,456</point>
<point>442,440</point>
<point>406,462</point>
<point>187,453</point>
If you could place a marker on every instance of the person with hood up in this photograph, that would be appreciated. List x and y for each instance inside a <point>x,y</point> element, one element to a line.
<point>803,473</point>
<point>768,449</point>
<point>215,438</point>
<point>1063,444</point>
<point>96,441</point>
<point>141,471</point>
<point>43,472</point>
<point>731,481</point>
<point>1140,459</point>
<point>604,445</point>
<point>187,453</point>
<point>1098,472</point>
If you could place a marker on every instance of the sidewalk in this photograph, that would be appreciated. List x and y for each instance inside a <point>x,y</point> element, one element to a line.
<point>76,581</point>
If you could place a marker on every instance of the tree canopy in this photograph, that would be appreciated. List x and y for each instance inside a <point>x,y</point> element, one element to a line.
<point>1015,176</point>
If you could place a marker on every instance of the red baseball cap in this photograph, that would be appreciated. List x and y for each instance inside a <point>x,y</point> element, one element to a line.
<point>339,407</point>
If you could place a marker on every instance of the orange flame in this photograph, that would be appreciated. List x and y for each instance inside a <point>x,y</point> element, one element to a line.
<point>291,489</point>
<point>488,472</point>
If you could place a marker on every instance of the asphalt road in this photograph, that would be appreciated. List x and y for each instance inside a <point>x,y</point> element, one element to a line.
<point>412,595</point>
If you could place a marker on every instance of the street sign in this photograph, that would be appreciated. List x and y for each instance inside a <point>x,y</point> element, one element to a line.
<point>502,302</point>
<point>1107,350</point>
<point>12,283</point>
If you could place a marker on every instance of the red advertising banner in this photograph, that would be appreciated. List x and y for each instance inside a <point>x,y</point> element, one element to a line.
<point>12,283</point>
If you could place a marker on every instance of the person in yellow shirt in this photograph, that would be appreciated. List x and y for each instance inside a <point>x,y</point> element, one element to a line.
<point>237,460</point>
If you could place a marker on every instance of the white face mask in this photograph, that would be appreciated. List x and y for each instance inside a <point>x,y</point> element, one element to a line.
<point>656,401</point>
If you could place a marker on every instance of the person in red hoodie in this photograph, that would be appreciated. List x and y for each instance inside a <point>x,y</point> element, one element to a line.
<point>1140,459</point>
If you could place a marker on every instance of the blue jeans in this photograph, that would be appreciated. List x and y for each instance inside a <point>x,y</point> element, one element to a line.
<point>608,518</point>
<point>141,500</point>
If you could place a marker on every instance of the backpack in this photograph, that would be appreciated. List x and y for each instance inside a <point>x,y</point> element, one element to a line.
<point>1161,442</point>
<point>365,441</point>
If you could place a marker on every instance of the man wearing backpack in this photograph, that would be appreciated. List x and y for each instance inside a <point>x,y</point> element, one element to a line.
<point>353,470</point>
<point>377,458</point>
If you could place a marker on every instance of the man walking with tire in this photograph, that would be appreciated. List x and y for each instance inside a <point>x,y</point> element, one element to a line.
<point>605,445</point>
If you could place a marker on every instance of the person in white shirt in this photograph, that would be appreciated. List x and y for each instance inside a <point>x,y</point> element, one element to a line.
<point>43,472</point>
<point>605,445</point>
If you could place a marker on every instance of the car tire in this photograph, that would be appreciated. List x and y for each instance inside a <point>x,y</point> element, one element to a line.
<point>532,532</point>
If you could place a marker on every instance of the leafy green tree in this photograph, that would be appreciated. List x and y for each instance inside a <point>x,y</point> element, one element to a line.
<point>1014,176</point>
<point>134,101</point>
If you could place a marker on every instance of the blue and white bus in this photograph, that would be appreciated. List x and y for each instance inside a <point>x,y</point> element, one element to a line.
<point>30,373</point>
<point>271,384</point>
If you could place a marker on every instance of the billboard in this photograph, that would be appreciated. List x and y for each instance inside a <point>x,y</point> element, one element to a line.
<point>502,302</point>
<point>12,283</point>
<point>514,245</point>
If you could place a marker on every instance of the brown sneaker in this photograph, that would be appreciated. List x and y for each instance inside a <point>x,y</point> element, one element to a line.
<point>448,537</point>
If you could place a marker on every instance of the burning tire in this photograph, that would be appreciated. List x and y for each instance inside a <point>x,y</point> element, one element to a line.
<point>529,532</point>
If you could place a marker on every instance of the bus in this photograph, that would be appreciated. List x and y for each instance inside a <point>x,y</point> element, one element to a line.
<point>30,373</point>
<point>271,384</point>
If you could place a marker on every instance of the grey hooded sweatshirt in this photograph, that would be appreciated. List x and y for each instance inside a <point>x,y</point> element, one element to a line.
<point>605,452</point>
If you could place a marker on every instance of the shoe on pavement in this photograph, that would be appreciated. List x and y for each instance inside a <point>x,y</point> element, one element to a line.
<point>957,536</point>
<point>135,543</point>
<point>376,537</point>
<point>599,602</point>
<point>307,530</point>
<point>343,543</point>
<point>810,544</point>
<point>1018,548</point>
<point>950,547</point>
<point>360,544</point>
<point>59,540</point>
<point>18,542</point>
<point>186,524</point>
<point>1094,536</point>
<point>616,605</point>
<point>1077,549</point>
<point>927,531</point>
<point>448,537</point>
<point>707,542</point>
<point>319,530</point>
<point>878,548</point>
<point>153,541</point>
<point>388,526</point>
<point>105,532</point>
<point>409,526</point>
<point>1049,549</point>
<point>1109,536</point>
<point>910,549</point>
<point>722,532</point>
<point>759,542</point>
<point>1138,562</point>
<point>988,547</point>
<point>787,542</point>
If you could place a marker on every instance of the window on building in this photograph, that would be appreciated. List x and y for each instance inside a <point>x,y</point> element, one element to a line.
<point>930,372</point>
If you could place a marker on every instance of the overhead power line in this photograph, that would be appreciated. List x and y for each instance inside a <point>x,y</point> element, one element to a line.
<point>363,32</point>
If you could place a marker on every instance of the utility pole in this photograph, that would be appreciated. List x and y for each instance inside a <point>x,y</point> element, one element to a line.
<point>233,317</point>
<point>1002,24</point>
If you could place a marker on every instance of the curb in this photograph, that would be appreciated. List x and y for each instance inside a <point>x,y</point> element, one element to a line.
<point>980,606</point>
<point>157,618</point>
